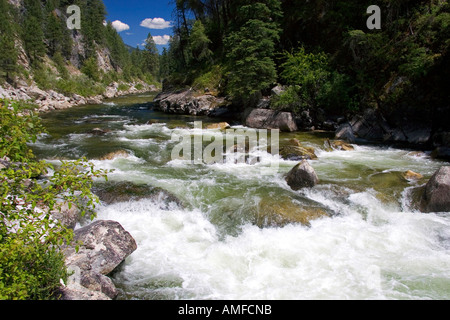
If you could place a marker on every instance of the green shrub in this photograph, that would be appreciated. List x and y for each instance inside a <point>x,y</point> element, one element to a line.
<point>211,80</point>
<point>123,87</point>
<point>31,262</point>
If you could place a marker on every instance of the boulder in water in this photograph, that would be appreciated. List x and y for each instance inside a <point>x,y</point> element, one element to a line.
<point>270,119</point>
<point>345,132</point>
<point>436,197</point>
<point>104,246</point>
<point>220,126</point>
<point>280,212</point>
<point>302,176</point>
<point>295,151</point>
<point>411,175</point>
<point>115,154</point>
<point>115,192</point>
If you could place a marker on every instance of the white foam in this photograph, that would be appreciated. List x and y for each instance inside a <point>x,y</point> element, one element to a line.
<point>347,257</point>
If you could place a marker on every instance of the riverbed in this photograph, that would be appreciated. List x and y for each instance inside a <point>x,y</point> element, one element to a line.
<point>223,241</point>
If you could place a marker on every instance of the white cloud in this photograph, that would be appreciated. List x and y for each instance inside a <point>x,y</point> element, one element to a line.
<point>156,23</point>
<point>120,26</point>
<point>162,40</point>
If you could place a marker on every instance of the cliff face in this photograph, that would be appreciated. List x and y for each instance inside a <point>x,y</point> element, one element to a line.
<point>79,50</point>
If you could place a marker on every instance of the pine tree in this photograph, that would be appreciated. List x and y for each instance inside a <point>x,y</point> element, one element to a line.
<point>151,56</point>
<point>32,30</point>
<point>8,52</point>
<point>199,42</point>
<point>251,49</point>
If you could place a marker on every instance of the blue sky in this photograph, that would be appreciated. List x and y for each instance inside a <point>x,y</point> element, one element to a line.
<point>135,19</point>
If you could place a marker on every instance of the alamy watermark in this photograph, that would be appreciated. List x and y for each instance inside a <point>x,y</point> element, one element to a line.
<point>374,21</point>
<point>74,21</point>
<point>232,146</point>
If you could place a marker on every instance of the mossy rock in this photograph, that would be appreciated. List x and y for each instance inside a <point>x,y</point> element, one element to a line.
<point>295,151</point>
<point>338,145</point>
<point>283,211</point>
<point>116,192</point>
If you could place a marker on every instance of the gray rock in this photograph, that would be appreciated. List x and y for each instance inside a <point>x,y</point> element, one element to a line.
<point>97,282</point>
<point>278,90</point>
<point>437,192</point>
<point>187,103</point>
<point>105,244</point>
<point>270,119</point>
<point>36,93</point>
<point>77,292</point>
<point>345,132</point>
<point>68,217</point>
<point>115,192</point>
<point>302,176</point>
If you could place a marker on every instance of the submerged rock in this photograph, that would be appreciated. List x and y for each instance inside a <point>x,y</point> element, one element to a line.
<point>295,151</point>
<point>411,175</point>
<point>115,192</point>
<point>302,176</point>
<point>115,154</point>
<point>280,212</point>
<point>436,197</point>
<point>220,126</point>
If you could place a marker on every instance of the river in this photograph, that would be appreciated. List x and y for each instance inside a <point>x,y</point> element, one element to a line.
<point>222,242</point>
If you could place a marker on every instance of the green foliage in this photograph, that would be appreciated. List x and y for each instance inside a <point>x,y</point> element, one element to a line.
<point>123,87</point>
<point>90,68</point>
<point>288,100</point>
<point>31,261</point>
<point>32,30</point>
<point>151,57</point>
<point>80,85</point>
<point>211,79</point>
<point>8,52</point>
<point>312,83</point>
<point>199,43</point>
<point>251,49</point>
<point>309,71</point>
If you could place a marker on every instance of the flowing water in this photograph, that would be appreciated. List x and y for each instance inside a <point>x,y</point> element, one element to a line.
<point>221,242</point>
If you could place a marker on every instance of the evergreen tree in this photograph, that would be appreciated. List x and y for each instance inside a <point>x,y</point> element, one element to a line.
<point>8,52</point>
<point>32,30</point>
<point>199,42</point>
<point>164,64</point>
<point>251,49</point>
<point>151,56</point>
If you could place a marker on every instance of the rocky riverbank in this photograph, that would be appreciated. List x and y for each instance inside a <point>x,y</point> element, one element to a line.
<point>48,100</point>
<point>370,126</point>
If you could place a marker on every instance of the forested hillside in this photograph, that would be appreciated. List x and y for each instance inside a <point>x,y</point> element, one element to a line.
<point>321,50</point>
<point>38,46</point>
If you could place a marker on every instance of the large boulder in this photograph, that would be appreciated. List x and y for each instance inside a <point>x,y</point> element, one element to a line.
<point>345,132</point>
<point>270,119</point>
<point>279,212</point>
<point>436,197</point>
<point>187,102</point>
<point>103,246</point>
<point>116,192</point>
<point>302,176</point>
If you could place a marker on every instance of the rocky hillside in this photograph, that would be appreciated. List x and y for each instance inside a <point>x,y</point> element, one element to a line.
<point>43,59</point>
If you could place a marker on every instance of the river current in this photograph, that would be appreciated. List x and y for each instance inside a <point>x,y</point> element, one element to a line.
<point>373,243</point>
